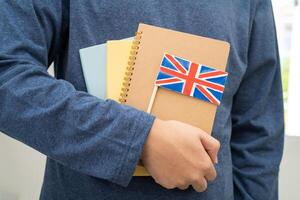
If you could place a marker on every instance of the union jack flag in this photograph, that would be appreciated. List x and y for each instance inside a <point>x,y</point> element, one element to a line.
<point>192,79</point>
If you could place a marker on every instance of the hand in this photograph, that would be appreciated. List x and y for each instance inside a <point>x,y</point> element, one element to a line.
<point>178,155</point>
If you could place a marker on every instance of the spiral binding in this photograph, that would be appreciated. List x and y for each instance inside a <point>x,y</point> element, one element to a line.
<point>130,67</point>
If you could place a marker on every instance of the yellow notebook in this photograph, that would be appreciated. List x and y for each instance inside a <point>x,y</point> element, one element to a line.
<point>117,58</point>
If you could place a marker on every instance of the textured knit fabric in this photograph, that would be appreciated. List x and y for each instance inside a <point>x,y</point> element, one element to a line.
<point>93,145</point>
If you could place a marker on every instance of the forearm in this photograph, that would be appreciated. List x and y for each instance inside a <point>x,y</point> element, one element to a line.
<point>99,138</point>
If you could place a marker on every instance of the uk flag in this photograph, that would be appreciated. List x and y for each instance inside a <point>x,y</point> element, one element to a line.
<point>192,79</point>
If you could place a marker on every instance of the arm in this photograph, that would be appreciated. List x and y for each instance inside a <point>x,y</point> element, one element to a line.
<point>257,114</point>
<point>99,138</point>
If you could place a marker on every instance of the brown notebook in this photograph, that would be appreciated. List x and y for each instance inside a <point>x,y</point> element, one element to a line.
<point>151,44</point>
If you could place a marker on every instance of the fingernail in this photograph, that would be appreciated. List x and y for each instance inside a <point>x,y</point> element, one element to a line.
<point>217,160</point>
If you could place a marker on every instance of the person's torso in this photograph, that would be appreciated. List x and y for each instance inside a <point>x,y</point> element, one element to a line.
<point>94,22</point>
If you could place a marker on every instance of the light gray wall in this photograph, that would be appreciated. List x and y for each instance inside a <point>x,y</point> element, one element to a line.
<point>21,170</point>
<point>289,180</point>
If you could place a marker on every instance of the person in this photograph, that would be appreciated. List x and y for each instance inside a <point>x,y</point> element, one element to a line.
<point>93,145</point>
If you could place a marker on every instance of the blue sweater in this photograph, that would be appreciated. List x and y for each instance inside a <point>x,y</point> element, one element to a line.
<point>93,145</point>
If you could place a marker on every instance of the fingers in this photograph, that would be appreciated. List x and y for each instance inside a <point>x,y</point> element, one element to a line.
<point>211,173</point>
<point>211,145</point>
<point>183,187</point>
<point>200,185</point>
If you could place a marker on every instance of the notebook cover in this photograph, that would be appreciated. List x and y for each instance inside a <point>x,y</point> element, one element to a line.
<point>117,57</point>
<point>151,45</point>
<point>93,61</point>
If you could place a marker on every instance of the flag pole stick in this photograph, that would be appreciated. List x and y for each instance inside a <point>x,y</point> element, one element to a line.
<point>152,99</point>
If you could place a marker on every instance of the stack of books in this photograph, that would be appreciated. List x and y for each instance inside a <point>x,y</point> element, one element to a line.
<point>170,74</point>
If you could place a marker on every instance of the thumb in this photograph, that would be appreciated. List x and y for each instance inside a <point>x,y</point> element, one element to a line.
<point>211,145</point>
